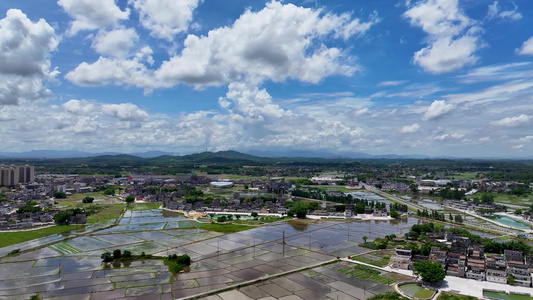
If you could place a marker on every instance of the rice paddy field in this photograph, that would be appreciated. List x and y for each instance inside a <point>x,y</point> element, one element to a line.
<point>284,259</point>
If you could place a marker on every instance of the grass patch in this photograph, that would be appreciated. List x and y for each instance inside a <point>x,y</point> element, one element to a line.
<point>368,273</point>
<point>104,213</point>
<point>378,259</point>
<point>224,228</point>
<point>524,200</point>
<point>417,291</point>
<point>329,188</point>
<point>145,206</point>
<point>262,220</point>
<point>12,238</point>
<point>452,296</point>
<point>465,175</point>
<point>64,248</point>
<point>177,263</point>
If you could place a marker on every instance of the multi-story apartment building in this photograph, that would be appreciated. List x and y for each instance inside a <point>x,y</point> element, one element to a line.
<point>12,175</point>
<point>520,273</point>
<point>496,269</point>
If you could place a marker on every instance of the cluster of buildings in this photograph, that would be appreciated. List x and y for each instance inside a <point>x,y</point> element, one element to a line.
<point>230,206</point>
<point>10,219</point>
<point>468,260</point>
<point>471,206</point>
<point>11,175</point>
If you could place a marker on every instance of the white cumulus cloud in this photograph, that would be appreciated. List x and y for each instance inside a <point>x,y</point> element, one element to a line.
<point>453,38</point>
<point>91,14</point>
<point>447,137</point>
<point>437,109</point>
<point>512,121</point>
<point>410,128</point>
<point>115,71</point>
<point>278,42</point>
<point>165,18</point>
<point>125,112</point>
<point>527,47</point>
<point>115,43</point>
<point>79,107</point>
<point>24,58</point>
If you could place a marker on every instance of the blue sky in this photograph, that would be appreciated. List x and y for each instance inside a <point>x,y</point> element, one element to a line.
<point>429,77</point>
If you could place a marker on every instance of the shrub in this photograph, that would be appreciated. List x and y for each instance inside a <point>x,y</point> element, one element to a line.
<point>87,200</point>
<point>107,257</point>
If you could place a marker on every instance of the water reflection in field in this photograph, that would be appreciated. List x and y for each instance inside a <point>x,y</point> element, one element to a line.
<point>218,260</point>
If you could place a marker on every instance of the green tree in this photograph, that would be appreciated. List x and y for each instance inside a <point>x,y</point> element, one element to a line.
<point>109,191</point>
<point>29,207</point>
<point>35,297</point>
<point>313,205</point>
<point>487,198</point>
<point>117,254</point>
<point>299,209</point>
<point>458,219</point>
<point>130,199</point>
<point>254,215</point>
<point>87,200</point>
<point>238,217</point>
<point>60,195</point>
<point>106,257</point>
<point>451,217</point>
<point>394,214</point>
<point>364,237</point>
<point>429,271</point>
<point>518,212</point>
<point>62,217</point>
<point>510,279</point>
<point>126,254</point>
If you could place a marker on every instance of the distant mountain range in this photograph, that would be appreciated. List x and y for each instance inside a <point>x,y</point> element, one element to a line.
<point>250,155</point>
<point>53,154</point>
<point>47,154</point>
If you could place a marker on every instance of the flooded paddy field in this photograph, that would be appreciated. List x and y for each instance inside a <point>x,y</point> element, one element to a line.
<point>324,282</point>
<point>71,268</point>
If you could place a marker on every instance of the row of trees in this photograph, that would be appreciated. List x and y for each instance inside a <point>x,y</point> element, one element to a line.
<point>436,215</point>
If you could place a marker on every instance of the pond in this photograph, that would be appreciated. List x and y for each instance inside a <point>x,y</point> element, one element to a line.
<point>504,296</point>
<point>416,291</point>
<point>509,222</point>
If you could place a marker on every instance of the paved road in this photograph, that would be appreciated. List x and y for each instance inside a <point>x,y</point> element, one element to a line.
<point>397,199</point>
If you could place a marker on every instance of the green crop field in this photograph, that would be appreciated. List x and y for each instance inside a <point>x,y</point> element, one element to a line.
<point>365,272</point>
<point>224,228</point>
<point>64,248</point>
<point>378,259</point>
<point>145,206</point>
<point>11,238</point>
<point>107,212</point>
